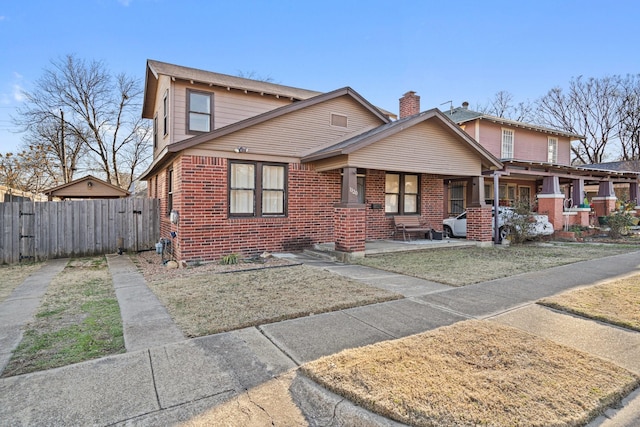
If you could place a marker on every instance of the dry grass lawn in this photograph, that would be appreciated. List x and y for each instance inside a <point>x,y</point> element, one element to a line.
<point>204,303</point>
<point>13,276</point>
<point>464,266</point>
<point>475,373</point>
<point>616,302</point>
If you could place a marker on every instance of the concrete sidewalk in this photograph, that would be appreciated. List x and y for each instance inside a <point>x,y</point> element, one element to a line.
<point>177,381</point>
<point>22,304</point>
<point>145,321</point>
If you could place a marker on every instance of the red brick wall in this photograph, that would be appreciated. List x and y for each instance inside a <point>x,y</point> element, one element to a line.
<point>205,232</point>
<point>379,225</point>
<point>432,200</point>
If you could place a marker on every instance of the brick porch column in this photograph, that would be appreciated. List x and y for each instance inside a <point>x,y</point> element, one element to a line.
<point>350,218</point>
<point>551,201</point>
<point>349,229</point>
<point>605,202</point>
<point>479,225</point>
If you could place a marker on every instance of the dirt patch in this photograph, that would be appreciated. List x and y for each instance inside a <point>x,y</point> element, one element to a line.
<point>203,301</point>
<point>475,373</point>
<point>617,302</point>
<point>13,276</point>
<point>464,266</point>
<point>153,269</point>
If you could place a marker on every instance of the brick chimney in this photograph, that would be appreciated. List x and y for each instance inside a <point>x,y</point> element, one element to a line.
<point>409,104</point>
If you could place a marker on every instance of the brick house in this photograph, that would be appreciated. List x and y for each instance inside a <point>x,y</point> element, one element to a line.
<point>243,166</point>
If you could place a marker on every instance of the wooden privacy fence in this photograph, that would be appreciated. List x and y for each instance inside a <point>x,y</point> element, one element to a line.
<point>41,230</point>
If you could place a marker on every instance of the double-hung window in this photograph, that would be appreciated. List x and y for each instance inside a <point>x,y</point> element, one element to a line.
<point>199,116</point>
<point>552,150</point>
<point>507,144</point>
<point>402,193</point>
<point>169,190</point>
<point>257,189</point>
<point>165,113</point>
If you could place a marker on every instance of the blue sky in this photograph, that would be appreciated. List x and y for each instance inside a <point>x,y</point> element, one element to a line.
<point>445,51</point>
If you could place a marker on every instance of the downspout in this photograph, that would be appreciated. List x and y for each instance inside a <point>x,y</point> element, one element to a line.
<point>496,204</point>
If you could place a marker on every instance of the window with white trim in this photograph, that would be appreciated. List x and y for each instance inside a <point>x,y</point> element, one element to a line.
<point>402,193</point>
<point>155,132</point>
<point>552,150</point>
<point>507,144</point>
<point>165,113</point>
<point>257,189</point>
<point>199,111</point>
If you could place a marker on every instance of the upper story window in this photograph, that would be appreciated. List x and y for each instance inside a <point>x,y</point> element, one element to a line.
<point>165,113</point>
<point>257,189</point>
<point>402,193</point>
<point>507,144</point>
<point>552,150</point>
<point>199,117</point>
<point>155,132</point>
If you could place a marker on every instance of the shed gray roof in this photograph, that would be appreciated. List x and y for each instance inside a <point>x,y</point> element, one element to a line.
<point>462,115</point>
<point>622,166</point>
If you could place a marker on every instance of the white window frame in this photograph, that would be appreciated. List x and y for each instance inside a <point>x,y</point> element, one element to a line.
<point>552,150</point>
<point>507,143</point>
<point>191,111</point>
<point>165,113</point>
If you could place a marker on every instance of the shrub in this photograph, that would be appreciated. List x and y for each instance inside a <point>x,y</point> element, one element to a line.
<point>229,259</point>
<point>619,223</point>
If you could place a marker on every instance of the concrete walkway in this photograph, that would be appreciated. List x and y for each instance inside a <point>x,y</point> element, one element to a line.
<point>20,307</point>
<point>145,321</point>
<point>177,381</point>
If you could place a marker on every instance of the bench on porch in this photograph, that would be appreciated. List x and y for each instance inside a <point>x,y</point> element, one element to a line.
<point>407,224</point>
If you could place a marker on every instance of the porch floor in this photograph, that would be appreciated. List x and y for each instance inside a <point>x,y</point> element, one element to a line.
<point>385,246</point>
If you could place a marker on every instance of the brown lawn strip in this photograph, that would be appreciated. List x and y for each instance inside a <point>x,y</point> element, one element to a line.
<point>475,373</point>
<point>617,303</point>
<point>207,303</point>
<point>464,266</point>
<point>78,319</point>
<point>13,276</point>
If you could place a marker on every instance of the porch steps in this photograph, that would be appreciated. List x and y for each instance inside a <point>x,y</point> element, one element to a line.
<point>321,254</point>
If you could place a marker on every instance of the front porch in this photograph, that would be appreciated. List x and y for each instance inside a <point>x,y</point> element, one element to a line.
<point>375,247</point>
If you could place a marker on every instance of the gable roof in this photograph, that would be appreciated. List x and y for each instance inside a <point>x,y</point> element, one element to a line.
<point>261,118</point>
<point>156,68</point>
<point>360,141</point>
<point>462,115</point>
<point>87,187</point>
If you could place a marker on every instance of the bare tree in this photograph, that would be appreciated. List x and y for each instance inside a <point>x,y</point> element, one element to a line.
<point>503,105</point>
<point>252,75</point>
<point>78,107</point>
<point>590,107</point>
<point>25,171</point>
<point>629,125</point>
